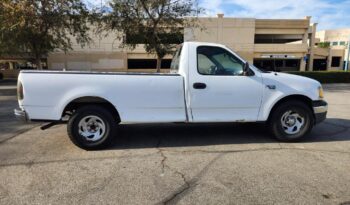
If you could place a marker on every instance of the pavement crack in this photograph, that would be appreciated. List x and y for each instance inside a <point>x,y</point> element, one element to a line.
<point>164,158</point>
<point>178,194</point>
<point>186,185</point>
<point>160,151</point>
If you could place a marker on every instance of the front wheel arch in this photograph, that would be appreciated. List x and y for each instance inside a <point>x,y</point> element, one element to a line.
<point>300,98</point>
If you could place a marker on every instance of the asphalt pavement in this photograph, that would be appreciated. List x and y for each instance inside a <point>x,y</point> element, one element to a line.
<point>178,164</point>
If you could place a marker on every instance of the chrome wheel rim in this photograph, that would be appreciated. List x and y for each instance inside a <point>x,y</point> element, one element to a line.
<point>292,122</point>
<point>92,128</point>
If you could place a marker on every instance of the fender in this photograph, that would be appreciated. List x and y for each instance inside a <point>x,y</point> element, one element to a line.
<point>81,92</point>
<point>267,107</point>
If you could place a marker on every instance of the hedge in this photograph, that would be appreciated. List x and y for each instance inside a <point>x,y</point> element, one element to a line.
<point>325,76</point>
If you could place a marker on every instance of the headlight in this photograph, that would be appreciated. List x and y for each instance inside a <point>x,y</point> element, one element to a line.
<point>320,92</point>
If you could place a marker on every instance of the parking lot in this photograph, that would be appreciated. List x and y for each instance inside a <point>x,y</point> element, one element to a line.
<point>177,163</point>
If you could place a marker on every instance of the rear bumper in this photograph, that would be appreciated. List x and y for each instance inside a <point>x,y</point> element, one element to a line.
<point>320,110</point>
<point>21,115</point>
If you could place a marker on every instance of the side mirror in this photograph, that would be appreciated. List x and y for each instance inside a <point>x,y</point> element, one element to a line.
<point>246,69</point>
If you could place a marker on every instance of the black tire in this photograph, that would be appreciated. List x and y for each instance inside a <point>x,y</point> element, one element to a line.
<point>103,116</point>
<point>280,129</point>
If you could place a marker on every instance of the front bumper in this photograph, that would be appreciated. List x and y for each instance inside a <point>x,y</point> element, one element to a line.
<point>320,110</point>
<point>21,115</point>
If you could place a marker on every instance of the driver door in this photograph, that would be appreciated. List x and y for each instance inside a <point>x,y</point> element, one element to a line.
<point>218,89</point>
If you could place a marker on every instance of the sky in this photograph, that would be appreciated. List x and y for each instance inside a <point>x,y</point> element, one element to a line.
<point>329,14</point>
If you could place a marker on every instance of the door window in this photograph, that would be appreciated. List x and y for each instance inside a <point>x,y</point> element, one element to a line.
<point>217,61</point>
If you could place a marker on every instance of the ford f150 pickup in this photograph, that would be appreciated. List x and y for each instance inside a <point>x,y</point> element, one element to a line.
<point>207,83</point>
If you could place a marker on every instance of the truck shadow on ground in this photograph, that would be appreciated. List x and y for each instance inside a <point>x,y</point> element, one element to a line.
<point>204,134</point>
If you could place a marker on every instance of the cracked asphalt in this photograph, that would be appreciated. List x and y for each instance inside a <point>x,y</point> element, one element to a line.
<point>180,164</point>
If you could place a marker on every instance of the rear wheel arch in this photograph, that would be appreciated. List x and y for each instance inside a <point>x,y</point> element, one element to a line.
<point>80,102</point>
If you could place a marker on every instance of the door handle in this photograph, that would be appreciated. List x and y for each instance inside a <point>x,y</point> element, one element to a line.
<point>199,85</point>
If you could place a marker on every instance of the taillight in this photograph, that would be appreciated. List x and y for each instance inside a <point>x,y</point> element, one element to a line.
<point>20,95</point>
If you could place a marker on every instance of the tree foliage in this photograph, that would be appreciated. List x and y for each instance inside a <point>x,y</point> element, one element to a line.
<point>324,44</point>
<point>158,24</point>
<point>38,27</point>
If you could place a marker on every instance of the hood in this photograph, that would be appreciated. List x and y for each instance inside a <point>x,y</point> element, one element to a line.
<point>292,83</point>
<point>290,77</point>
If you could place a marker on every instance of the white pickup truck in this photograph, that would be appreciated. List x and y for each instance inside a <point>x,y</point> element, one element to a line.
<point>207,83</point>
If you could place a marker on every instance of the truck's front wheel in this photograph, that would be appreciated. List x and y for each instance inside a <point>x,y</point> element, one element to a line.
<point>91,127</point>
<point>291,121</point>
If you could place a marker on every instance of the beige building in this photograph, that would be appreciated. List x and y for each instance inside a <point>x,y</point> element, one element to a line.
<point>270,44</point>
<point>105,54</point>
<point>332,49</point>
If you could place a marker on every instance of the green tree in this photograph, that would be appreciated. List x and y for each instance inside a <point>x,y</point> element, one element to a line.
<point>37,27</point>
<point>158,24</point>
<point>324,44</point>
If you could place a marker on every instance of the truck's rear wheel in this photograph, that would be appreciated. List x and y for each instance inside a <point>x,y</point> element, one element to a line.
<point>291,121</point>
<point>91,127</point>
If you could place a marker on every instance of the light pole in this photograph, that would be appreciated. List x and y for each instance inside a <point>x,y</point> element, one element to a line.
<point>347,58</point>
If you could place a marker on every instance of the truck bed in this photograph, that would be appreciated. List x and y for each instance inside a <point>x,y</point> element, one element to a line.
<point>138,97</point>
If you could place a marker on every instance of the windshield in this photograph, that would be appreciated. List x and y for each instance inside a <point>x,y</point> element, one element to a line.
<point>175,63</point>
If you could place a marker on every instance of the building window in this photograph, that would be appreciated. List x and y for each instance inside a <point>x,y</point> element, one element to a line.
<point>292,64</point>
<point>342,43</point>
<point>277,64</point>
<point>336,61</point>
<point>335,43</point>
<point>147,63</point>
<point>276,38</point>
<point>320,64</point>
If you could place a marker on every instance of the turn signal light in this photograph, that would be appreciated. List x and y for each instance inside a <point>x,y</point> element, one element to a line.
<point>320,92</point>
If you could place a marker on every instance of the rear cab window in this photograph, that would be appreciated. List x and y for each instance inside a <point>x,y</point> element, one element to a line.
<point>175,63</point>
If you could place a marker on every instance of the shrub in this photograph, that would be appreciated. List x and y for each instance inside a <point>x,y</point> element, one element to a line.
<point>326,76</point>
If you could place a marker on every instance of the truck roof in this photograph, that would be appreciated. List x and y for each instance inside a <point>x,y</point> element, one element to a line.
<point>198,43</point>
